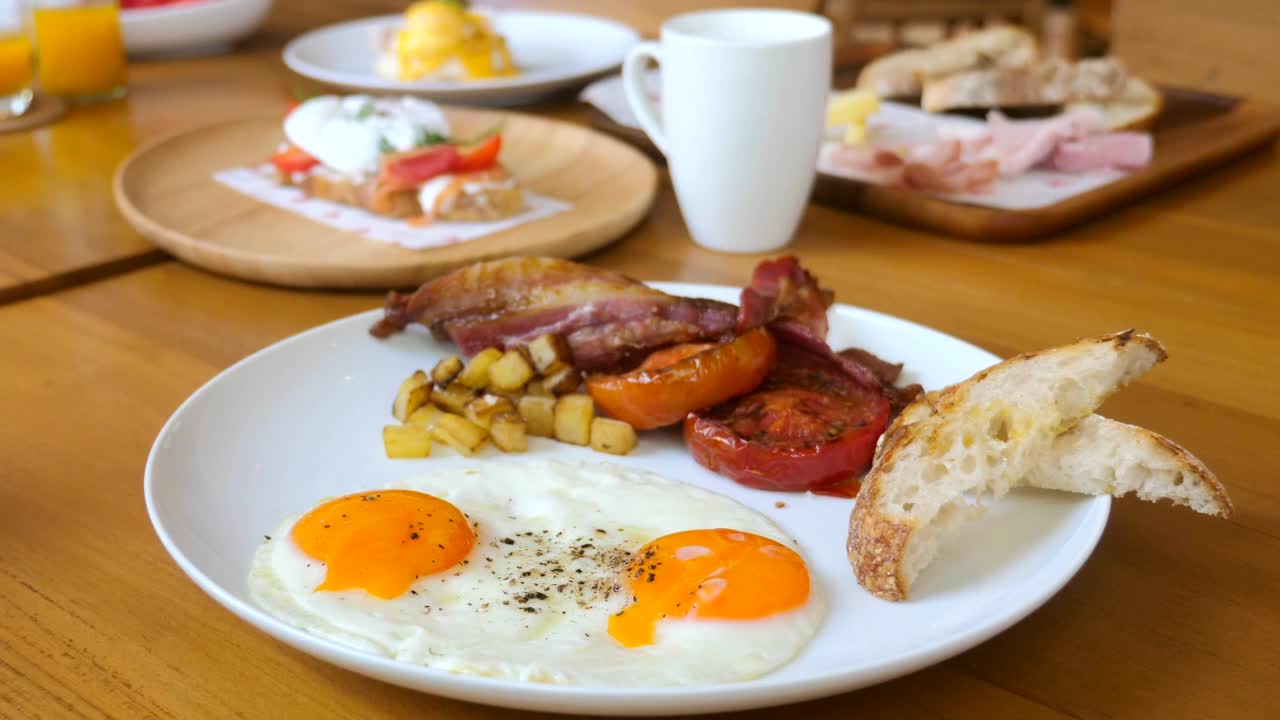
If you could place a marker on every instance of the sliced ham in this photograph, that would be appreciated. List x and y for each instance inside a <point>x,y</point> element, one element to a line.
<point>1124,150</point>
<point>1019,145</point>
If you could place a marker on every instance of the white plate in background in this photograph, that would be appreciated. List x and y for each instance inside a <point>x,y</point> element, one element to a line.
<point>552,50</point>
<point>301,421</point>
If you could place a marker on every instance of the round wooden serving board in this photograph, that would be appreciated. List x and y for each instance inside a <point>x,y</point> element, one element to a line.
<point>166,191</point>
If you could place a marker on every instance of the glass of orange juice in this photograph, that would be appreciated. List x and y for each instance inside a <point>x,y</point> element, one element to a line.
<point>81,51</point>
<point>16,65</point>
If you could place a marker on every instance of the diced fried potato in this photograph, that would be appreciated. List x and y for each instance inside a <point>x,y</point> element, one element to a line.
<point>539,414</point>
<point>426,416</point>
<point>476,373</point>
<point>612,436</point>
<point>406,441</point>
<point>482,410</point>
<point>536,387</point>
<point>573,419</point>
<point>510,372</point>
<point>460,434</point>
<point>413,394</point>
<point>563,382</point>
<point>446,370</point>
<point>453,397</point>
<point>550,354</point>
<point>508,432</point>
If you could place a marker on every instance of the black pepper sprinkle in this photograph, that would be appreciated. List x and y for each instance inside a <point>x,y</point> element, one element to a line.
<point>508,541</point>
<point>267,537</point>
<point>413,536</point>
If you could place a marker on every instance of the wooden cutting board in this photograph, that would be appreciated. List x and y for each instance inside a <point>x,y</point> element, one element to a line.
<point>166,191</point>
<point>1194,132</point>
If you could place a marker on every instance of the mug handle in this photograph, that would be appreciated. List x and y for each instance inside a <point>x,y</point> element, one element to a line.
<point>633,83</point>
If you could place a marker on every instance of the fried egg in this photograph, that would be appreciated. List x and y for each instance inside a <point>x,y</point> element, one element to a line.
<point>585,574</point>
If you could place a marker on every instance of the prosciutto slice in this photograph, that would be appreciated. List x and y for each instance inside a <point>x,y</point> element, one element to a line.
<point>608,319</point>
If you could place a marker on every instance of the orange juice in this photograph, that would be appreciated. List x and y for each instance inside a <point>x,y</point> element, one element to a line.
<point>81,52</point>
<point>15,63</point>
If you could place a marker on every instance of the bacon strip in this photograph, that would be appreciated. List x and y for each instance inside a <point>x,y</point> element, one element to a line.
<point>787,298</point>
<point>608,319</point>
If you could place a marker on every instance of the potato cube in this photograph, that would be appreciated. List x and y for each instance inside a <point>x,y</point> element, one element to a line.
<point>573,419</point>
<point>476,373</point>
<point>539,414</point>
<point>563,382</point>
<point>453,397</point>
<point>550,354</point>
<point>446,370</point>
<point>537,388</point>
<point>413,394</point>
<point>612,436</point>
<point>510,372</point>
<point>426,416</point>
<point>508,432</point>
<point>482,410</point>
<point>460,434</point>
<point>406,441</point>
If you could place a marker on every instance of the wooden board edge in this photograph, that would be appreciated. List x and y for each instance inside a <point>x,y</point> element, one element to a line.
<point>285,272</point>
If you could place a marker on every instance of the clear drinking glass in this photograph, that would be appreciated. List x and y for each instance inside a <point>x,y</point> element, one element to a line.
<point>17,68</point>
<point>81,51</point>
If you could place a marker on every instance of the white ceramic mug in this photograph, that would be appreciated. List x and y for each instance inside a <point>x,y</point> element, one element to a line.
<point>743,96</point>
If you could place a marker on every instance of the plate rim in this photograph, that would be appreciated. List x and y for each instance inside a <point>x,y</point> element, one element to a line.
<point>492,88</point>
<point>695,699</point>
<point>198,251</point>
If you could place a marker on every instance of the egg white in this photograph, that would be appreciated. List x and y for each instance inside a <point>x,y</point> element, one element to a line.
<point>533,600</point>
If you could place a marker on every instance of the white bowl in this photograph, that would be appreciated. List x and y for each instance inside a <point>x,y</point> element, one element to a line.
<point>198,28</point>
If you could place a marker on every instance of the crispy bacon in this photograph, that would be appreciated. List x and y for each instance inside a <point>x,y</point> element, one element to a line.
<point>787,298</point>
<point>782,290</point>
<point>608,319</point>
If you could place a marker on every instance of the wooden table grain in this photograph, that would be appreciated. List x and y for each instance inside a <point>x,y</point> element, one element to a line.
<point>1173,617</point>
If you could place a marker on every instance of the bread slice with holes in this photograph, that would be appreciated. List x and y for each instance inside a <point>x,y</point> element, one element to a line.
<point>977,438</point>
<point>1099,456</point>
<point>902,73</point>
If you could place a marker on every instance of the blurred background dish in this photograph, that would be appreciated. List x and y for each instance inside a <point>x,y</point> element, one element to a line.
<point>551,51</point>
<point>188,27</point>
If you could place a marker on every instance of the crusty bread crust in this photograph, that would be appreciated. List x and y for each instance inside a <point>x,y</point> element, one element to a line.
<point>880,539</point>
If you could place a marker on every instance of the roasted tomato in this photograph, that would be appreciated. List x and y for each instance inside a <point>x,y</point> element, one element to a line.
<point>810,426</point>
<point>674,382</point>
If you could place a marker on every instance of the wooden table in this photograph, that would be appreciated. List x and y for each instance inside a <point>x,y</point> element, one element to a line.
<point>1173,617</point>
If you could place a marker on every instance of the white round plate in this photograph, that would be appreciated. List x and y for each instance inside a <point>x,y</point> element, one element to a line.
<point>301,421</point>
<point>552,50</point>
<point>187,29</point>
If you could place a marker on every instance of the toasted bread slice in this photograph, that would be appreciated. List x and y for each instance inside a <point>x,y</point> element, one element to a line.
<point>1136,108</point>
<point>403,204</point>
<point>1047,83</point>
<point>1100,456</point>
<point>481,196</point>
<point>900,74</point>
<point>978,437</point>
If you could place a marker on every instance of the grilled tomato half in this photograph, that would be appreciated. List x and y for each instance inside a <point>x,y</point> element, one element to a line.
<point>809,426</point>
<point>672,383</point>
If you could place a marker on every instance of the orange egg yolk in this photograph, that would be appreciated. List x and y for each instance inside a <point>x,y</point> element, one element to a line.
<point>713,574</point>
<point>383,541</point>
